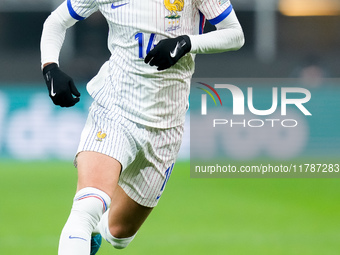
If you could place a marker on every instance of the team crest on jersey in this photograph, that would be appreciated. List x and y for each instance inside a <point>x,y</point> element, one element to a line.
<point>173,20</point>
<point>100,136</point>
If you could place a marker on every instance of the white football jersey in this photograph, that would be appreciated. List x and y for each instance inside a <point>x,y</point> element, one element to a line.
<point>128,86</point>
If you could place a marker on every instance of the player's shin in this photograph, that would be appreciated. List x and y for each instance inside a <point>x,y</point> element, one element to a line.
<point>88,206</point>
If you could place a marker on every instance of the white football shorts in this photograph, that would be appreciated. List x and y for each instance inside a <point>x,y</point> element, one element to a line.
<point>147,154</point>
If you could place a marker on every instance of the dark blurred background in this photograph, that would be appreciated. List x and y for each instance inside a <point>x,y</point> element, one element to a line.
<point>284,38</point>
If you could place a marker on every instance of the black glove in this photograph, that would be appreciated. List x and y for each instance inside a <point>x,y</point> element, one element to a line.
<point>60,86</point>
<point>168,51</point>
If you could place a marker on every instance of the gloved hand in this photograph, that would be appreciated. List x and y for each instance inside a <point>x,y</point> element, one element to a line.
<point>168,51</point>
<point>60,86</point>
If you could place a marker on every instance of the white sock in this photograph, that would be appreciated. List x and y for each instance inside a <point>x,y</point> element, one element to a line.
<point>89,204</point>
<point>103,227</point>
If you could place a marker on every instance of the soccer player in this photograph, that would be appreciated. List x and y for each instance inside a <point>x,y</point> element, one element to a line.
<point>130,141</point>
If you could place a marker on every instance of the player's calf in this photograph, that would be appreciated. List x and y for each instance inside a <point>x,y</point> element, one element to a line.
<point>104,229</point>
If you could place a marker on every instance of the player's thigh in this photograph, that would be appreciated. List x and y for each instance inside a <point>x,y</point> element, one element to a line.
<point>125,215</point>
<point>102,172</point>
<point>98,170</point>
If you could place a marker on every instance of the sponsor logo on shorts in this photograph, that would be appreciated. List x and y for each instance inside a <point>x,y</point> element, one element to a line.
<point>100,136</point>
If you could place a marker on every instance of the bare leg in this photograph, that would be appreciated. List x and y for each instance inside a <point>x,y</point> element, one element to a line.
<point>102,172</point>
<point>126,216</point>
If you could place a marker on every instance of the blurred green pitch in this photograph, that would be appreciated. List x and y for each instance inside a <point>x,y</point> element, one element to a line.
<point>194,216</point>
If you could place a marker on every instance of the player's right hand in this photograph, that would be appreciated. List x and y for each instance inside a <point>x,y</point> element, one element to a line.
<point>60,86</point>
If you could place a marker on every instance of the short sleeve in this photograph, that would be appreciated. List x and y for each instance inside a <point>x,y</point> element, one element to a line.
<point>215,10</point>
<point>81,9</point>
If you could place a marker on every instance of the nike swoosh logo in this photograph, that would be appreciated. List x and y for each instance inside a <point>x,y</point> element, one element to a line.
<point>76,237</point>
<point>117,6</point>
<point>175,51</point>
<point>52,90</point>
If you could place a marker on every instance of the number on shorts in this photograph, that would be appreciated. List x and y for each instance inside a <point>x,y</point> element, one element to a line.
<point>167,176</point>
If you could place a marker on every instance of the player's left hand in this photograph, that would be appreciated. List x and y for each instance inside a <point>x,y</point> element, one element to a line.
<point>168,51</point>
